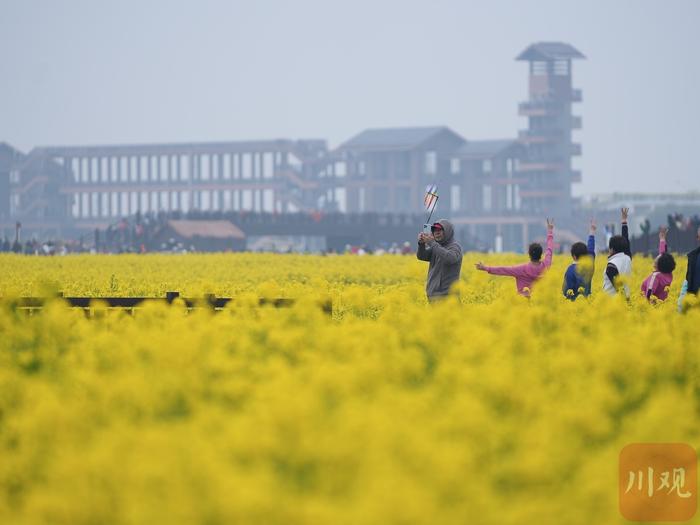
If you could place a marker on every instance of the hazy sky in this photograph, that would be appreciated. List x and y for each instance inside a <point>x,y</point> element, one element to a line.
<point>96,72</point>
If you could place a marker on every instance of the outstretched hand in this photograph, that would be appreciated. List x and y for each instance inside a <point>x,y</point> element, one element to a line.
<point>624,212</point>
<point>593,227</point>
<point>663,230</point>
<point>550,224</point>
<point>480,266</point>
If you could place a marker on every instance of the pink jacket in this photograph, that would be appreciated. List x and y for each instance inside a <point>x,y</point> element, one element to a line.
<point>526,274</point>
<point>657,283</point>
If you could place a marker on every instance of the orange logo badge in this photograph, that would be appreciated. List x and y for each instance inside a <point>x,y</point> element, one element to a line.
<point>658,482</point>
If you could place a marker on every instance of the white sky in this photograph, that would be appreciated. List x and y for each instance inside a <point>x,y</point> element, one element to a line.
<point>96,72</point>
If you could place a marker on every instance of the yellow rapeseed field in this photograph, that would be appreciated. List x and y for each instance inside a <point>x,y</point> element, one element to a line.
<point>483,409</point>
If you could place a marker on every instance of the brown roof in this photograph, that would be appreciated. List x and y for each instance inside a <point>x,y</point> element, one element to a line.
<point>212,229</point>
<point>384,139</point>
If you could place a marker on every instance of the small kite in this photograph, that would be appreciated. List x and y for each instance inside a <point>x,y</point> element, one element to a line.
<point>430,201</point>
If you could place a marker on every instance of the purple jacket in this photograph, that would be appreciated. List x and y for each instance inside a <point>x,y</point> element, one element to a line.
<point>657,283</point>
<point>526,274</point>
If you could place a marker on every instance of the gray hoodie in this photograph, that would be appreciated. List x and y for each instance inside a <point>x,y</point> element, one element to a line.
<point>445,261</point>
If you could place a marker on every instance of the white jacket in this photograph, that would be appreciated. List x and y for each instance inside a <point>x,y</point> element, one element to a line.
<point>623,263</point>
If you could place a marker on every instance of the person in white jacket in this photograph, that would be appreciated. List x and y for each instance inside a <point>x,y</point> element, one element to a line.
<point>619,260</point>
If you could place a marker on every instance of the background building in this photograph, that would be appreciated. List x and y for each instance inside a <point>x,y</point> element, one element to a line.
<point>497,190</point>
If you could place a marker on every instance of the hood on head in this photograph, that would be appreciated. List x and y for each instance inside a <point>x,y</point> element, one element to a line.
<point>449,230</point>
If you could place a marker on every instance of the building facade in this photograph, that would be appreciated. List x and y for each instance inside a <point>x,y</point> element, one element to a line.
<point>498,189</point>
<point>548,137</point>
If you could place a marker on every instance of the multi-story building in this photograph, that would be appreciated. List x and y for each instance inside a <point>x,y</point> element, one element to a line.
<point>547,165</point>
<point>497,189</point>
<point>387,170</point>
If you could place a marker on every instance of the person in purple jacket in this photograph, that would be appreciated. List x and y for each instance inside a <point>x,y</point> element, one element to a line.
<point>579,274</point>
<point>655,287</point>
<point>526,274</point>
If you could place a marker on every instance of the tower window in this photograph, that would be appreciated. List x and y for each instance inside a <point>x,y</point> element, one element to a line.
<point>561,67</point>
<point>538,68</point>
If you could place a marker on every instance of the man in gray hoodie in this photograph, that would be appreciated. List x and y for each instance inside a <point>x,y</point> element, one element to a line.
<point>445,257</point>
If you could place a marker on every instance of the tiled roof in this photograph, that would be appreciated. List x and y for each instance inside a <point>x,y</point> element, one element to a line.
<point>394,138</point>
<point>550,51</point>
<point>484,149</point>
<point>212,229</point>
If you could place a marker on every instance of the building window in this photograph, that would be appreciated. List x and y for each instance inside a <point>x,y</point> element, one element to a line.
<point>486,166</point>
<point>561,68</point>
<point>486,197</point>
<point>247,166</point>
<point>114,200</point>
<point>361,168</point>
<point>14,204</point>
<point>455,166</point>
<point>268,165</point>
<point>455,198</point>
<point>340,169</point>
<point>538,68</point>
<point>267,201</point>
<point>430,162</point>
<point>509,197</point>
<point>94,203</point>
<point>516,197</point>
<point>341,199</point>
<point>94,167</point>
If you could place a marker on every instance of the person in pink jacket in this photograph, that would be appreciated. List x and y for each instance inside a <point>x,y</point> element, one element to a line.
<point>658,283</point>
<point>526,274</point>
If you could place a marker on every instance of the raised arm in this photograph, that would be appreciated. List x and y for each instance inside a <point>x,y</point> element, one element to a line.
<point>662,240</point>
<point>519,270</point>
<point>625,231</point>
<point>550,243</point>
<point>423,254</point>
<point>591,238</point>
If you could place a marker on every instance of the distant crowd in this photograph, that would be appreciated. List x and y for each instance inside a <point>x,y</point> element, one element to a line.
<point>35,247</point>
<point>444,254</point>
<point>136,235</point>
